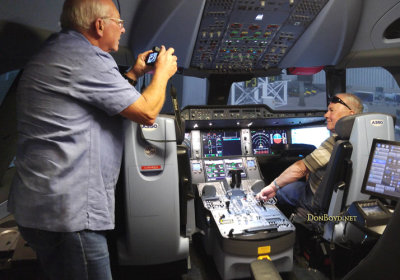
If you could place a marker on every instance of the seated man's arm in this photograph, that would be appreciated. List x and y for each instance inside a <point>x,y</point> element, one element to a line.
<point>292,174</point>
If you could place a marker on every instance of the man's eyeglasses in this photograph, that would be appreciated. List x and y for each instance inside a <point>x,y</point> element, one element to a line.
<point>118,21</point>
<point>336,99</point>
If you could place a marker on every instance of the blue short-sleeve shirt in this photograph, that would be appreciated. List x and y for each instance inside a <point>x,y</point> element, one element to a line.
<point>70,136</point>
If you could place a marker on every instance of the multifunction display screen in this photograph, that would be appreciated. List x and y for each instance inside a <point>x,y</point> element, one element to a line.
<point>215,170</point>
<point>382,177</point>
<point>234,164</point>
<point>221,143</point>
<point>218,169</point>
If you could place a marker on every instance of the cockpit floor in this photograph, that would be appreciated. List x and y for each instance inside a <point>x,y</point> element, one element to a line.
<point>199,267</point>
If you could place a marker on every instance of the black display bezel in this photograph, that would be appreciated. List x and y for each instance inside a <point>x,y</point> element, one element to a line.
<point>364,190</point>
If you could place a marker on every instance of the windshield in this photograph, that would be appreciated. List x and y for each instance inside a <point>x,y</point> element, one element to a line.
<point>378,90</point>
<point>283,92</point>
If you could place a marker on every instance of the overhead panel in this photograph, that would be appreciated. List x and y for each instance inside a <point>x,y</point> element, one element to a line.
<point>237,36</point>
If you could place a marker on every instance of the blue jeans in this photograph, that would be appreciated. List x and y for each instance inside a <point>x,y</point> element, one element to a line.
<point>70,255</point>
<point>297,194</point>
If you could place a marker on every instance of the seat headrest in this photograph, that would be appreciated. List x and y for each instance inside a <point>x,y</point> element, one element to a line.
<point>344,126</point>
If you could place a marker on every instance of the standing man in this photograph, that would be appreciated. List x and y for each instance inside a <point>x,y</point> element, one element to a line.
<point>70,101</point>
<point>292,193</point>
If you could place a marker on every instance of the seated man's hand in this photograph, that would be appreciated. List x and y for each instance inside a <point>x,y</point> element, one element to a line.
<point>266,193</point>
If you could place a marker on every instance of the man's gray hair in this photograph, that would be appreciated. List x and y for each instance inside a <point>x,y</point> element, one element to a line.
<point>80,14</point>
<point>354,102</point>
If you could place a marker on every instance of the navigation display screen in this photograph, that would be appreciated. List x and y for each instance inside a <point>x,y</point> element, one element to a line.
<point>262,139</point>
<point>221,143</point>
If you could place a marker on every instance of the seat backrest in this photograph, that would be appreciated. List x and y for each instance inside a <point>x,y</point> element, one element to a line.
<point>349,159</point>
<point>337,170</point>
<point>365,127</point>
<point>336,175</point>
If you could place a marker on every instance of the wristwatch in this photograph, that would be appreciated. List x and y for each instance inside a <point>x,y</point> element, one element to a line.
<point>276,186</point>
<point>131,81</point>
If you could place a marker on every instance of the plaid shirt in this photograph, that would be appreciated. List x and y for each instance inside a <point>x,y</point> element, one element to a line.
<point>317,162</point>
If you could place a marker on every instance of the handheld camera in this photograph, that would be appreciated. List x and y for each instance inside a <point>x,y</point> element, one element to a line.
<point>152,57</point>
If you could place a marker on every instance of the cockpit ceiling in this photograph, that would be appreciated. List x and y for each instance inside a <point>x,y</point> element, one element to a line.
<point>228,37</point>
<point>242,35</point>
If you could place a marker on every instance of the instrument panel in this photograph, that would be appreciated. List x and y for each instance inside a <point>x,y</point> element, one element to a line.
<point>232,143</point>
<point>240,36</point>
<point>210,170</point>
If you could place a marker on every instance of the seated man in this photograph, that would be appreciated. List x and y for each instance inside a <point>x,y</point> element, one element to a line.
<point>292,193</point>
